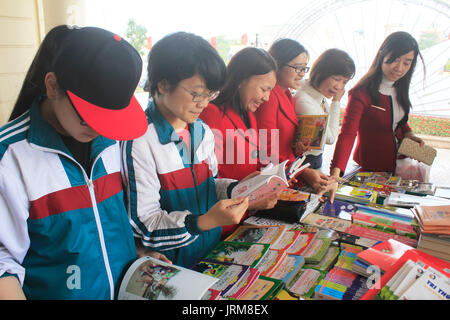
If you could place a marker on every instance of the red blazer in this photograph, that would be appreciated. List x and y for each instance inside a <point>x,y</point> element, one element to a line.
<point>376,147</point>
<point>279,113</point>
<point>236,151</point>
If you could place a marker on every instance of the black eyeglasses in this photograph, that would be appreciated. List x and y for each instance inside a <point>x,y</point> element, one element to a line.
<point>82,122</point>
<point>299,69</point>
<point>197,97</point>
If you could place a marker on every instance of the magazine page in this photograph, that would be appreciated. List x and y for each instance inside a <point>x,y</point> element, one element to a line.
<point>151,279</point>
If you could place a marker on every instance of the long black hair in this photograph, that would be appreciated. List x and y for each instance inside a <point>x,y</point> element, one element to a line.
<point>394,46</point>
<point>244,64</point>
<point>34,84</point>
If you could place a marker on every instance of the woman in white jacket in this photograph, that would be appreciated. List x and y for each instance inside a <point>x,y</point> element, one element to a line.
<point>329,75</point>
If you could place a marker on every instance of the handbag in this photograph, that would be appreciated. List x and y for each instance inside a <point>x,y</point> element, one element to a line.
<point>287,211</point>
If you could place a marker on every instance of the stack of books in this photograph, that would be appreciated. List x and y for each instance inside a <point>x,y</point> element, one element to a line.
<point>435,230</point>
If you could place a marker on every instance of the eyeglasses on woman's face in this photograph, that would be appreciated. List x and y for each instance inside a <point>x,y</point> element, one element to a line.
<point>299,69</point>
<point>200,97</point>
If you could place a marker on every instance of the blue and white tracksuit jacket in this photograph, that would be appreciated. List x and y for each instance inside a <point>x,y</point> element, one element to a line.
<point>64,233</point>
<point>167,191</point>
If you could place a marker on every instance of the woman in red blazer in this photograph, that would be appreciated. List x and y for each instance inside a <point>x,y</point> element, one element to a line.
<point>278,113</point>
<point>251,75</point>
<point>378,108</point>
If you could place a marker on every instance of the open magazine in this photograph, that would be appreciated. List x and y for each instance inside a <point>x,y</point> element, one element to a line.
<point>151,279</point>
<point>272,179</point>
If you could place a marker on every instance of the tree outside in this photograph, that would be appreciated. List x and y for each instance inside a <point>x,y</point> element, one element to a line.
<point>136,34</point>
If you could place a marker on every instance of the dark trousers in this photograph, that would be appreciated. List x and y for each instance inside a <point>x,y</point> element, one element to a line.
<point>315,161</point>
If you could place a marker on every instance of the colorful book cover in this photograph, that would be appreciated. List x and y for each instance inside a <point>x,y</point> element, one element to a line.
<point>316,250</point>
<point>286,240</point>
<point>312,130</point>
<point>384,223</point>
<point>377,235</point>
<point>248,254</point>
<point>256,234</point>
<point>327,261</point>
<point>338,209</point>
<point>300,243</point>
<point>414,255</point>
<point>243,284</point>
<point>384,254</point>
<point>304,282</point>
<point>321,221</point>
<point>357,195</point>
<point>293,195</point>
<point>263,288</point>
<point>288,268</point>
<point>228,274</point>
<point>270,261</point>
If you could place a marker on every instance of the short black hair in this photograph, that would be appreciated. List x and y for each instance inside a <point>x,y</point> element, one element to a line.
<point>181,55</point>
<point>331,62</point>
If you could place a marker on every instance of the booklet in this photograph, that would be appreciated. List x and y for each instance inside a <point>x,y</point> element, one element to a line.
<point>151,279</point>
<point>272,179</point>
<point>312,130</point>
<point>247,254</point>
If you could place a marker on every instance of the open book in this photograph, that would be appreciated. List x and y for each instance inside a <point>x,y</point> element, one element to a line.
<point>151,279</point>
<point>272,179</point>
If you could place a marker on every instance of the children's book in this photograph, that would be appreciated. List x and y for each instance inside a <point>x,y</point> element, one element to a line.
<point>327,261</point>
<point>271,260</point>
<point>355,194</point>
<point>339,209</point>
<point>286,240</point>
<point>321,221</point>
<point>256,234</point>
<point>263,288</point>
<point>151,279</point>
<point>228,274</point>
<point>247,254</point>
<point>312,130</point>
<point>288,268</point>
<point>304,282</point>
<point>272,179</point>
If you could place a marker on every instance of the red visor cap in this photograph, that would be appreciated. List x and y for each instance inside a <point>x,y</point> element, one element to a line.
<point>123,124</point>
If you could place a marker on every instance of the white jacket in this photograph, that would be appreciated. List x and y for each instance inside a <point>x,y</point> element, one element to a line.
<point>308,101</point>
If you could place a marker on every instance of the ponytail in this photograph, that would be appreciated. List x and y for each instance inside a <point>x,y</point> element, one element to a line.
<point>34,85</point>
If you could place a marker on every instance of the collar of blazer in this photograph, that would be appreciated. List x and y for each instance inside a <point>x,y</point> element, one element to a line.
<point>286,104</point>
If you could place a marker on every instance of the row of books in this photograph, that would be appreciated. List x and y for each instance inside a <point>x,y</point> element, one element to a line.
<point>279,259</point>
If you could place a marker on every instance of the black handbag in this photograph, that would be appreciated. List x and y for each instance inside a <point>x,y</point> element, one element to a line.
<point>287,211</point>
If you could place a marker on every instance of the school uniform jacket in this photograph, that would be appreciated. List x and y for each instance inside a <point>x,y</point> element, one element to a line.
<point>278,114</point>
<point>64,232</point>
<point>376,145</point>
<point>169,184</point>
